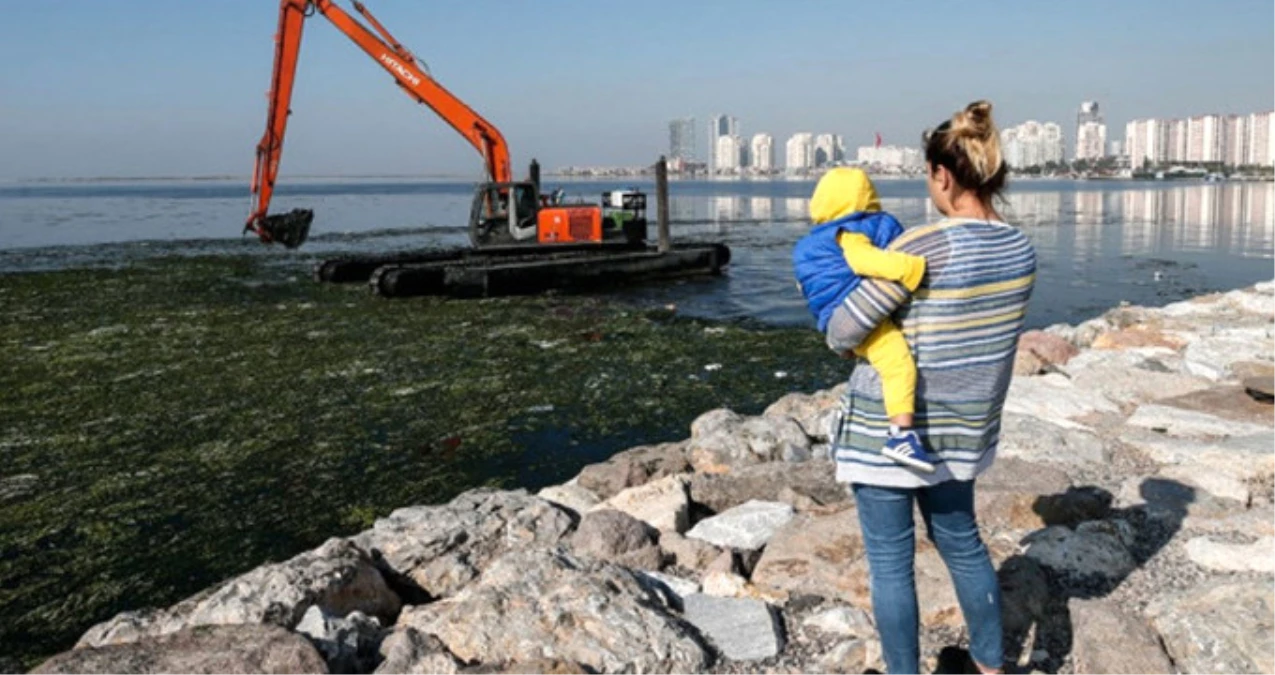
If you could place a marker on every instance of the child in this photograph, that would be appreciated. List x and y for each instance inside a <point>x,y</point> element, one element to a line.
<point>846,244</point>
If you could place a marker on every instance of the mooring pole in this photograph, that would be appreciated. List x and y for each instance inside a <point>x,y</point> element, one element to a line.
<point>661,196</point>
<point>535,175</point>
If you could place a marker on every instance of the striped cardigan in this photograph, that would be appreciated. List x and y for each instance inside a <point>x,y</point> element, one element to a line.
<point>963,325</point>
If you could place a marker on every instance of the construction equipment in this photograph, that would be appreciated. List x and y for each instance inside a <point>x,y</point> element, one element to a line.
<point>505,213</point>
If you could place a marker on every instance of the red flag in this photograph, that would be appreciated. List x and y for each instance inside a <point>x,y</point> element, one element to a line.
<point>878,139</point>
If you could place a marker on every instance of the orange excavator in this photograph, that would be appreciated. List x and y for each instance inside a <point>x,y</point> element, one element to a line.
<point>505,213</point>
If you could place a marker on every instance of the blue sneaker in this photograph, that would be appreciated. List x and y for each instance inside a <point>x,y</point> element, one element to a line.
<point>904,447</point>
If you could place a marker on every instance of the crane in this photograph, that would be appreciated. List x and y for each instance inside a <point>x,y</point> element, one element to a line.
<point>504,212</point>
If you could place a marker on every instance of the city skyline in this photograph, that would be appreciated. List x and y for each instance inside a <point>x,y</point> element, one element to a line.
<point>104,92</point>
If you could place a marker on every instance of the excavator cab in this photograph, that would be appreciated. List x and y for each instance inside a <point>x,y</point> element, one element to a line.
<point>511,214</point>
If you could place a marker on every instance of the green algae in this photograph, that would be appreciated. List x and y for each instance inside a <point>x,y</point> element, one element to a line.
<point>181,420</point>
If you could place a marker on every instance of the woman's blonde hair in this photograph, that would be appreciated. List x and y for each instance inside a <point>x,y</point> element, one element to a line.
<point>969,146</point>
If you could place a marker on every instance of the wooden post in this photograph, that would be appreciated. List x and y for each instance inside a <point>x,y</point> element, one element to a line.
<point>661,195</point>
<point>535,175</point>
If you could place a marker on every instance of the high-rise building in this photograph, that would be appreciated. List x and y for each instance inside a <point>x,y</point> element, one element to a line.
<point>1203,140</point>
<point>681,139</point>
<point>799,152</point>
<point>1235,139</point>
<point>728,154</point>
<point>890,158</point>
<point>1261,140</point>
<point>1176,139</point>
<point>1091,132</point>
<point>1115,149</point>
<point>1032,144</point>
<point>762,152</point>
<point>829,149</point>
<point>1146,142</point>
<point>718,126</point>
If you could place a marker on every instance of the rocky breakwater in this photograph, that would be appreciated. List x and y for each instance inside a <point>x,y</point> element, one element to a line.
<point>1132,497</point>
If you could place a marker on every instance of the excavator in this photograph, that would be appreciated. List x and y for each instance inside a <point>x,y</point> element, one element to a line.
<point>506,214</point>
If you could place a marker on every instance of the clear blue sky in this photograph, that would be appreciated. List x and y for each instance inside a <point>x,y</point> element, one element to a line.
<point>177,87</point>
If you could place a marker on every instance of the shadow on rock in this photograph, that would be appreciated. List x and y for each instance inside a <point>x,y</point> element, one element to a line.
<point>1087,551</point>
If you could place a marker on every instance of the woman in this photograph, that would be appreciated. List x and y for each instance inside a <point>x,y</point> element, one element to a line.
<point>962,324</point>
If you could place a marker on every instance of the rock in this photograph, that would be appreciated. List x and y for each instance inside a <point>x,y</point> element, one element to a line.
<point>843,622</point>
<point>853,656</point>
<point>1258,556</point>
<point>811,555</point>
<point>662,504</point>
<point>1214,356</point>
<point>1053,397</point>
<point>691,554</point>
<point>538,603</point>
<point>1135,337</point>
<point>615,536</point>
<point>1049,349</point>
<point>1083,552</point>
<point>1190,424</point>
<point>767,482</point>
<point>1034,440</point>
<point>1173,502</point>
<point>672,589</point>
<point>722,441</point>
<point>794,454</point>
<point>1094,625</point>
<point>741,629</point>
<point>1246,459</point>
<point>411,652</point>
<point>338,577</point>
<point>348,644</point>
<point>443,548</point>
<point>1017,496</point>
<point>634,467</point>
<point>747,526</point>
<point>197,649</point>
<point>1027,364</point>
<point>577,498</point>
<point>1222,627</point>
<point>724,584</point>
<point>811,411</point>
<point>1228,401</point>
<point>1131,378</point>
<point>1222,484</point>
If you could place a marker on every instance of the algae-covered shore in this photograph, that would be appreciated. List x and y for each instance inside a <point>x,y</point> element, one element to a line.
<point>176,421</point>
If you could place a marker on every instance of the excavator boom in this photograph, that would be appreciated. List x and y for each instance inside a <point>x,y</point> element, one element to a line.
<point>291,229</point>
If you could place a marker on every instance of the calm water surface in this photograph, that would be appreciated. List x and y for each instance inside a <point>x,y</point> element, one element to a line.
<point>1099,243</point>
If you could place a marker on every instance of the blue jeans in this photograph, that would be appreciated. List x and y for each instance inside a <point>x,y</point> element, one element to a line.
<point>885,516</point>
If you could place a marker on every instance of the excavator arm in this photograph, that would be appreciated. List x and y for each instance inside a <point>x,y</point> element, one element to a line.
<point>291,229</point>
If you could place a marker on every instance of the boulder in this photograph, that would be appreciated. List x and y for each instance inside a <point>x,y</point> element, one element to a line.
<point>1032,439</point>
<point>1191,424</point>
<point>1139,336</point>
<point>577,498</point>
<point>843,621</point>
<point>1258,556</point>
<point>1053,397</point>
<point>860,655</point>
<point>670,588</point>
<point>1018,496</point>
<point>1096,624</point>
<point>1214,356</point>
<point>634,467</point>
<point>811,411</point>
<point>539,603</point>
<point>1085,552</point>
<point>1047,348</point>
<point>1220,627</point>
<point>724,584</point>
<point>1227,467</point>
<point>747,526</point>
<point>1024,595</point>
<point>722,441</point>
<point>768,482</point>
<point>443,548</point>
<point>1134,380</point>
<point>412,652</point>
<point>338,577</point>
<point>615,536</point>
<point>197,649</point>
<point>662,504</point>
<point>742,629</point>
<point>811,556</point>
<point>348,644</point>
<point>691,554</point>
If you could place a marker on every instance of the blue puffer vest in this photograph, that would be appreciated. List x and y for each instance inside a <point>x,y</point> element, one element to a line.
<point>820,265</point>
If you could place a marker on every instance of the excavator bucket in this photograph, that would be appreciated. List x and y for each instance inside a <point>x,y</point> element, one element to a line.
<point>289,229</point>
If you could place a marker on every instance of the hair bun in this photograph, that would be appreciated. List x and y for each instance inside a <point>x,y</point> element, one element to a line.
<point>975,121</point>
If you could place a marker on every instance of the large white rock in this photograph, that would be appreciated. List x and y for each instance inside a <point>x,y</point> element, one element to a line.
<point>1035,440</point>
<point>1224,627</point>
<point>842,621</point>
<point>1055,398</point>
<point>1213,357</point>
<point>572,496</point>
<point>747,526</point>
<point>663,504</point>
<point>1258,556</point>
<point>1190,423</point>
<point>742,629</point>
